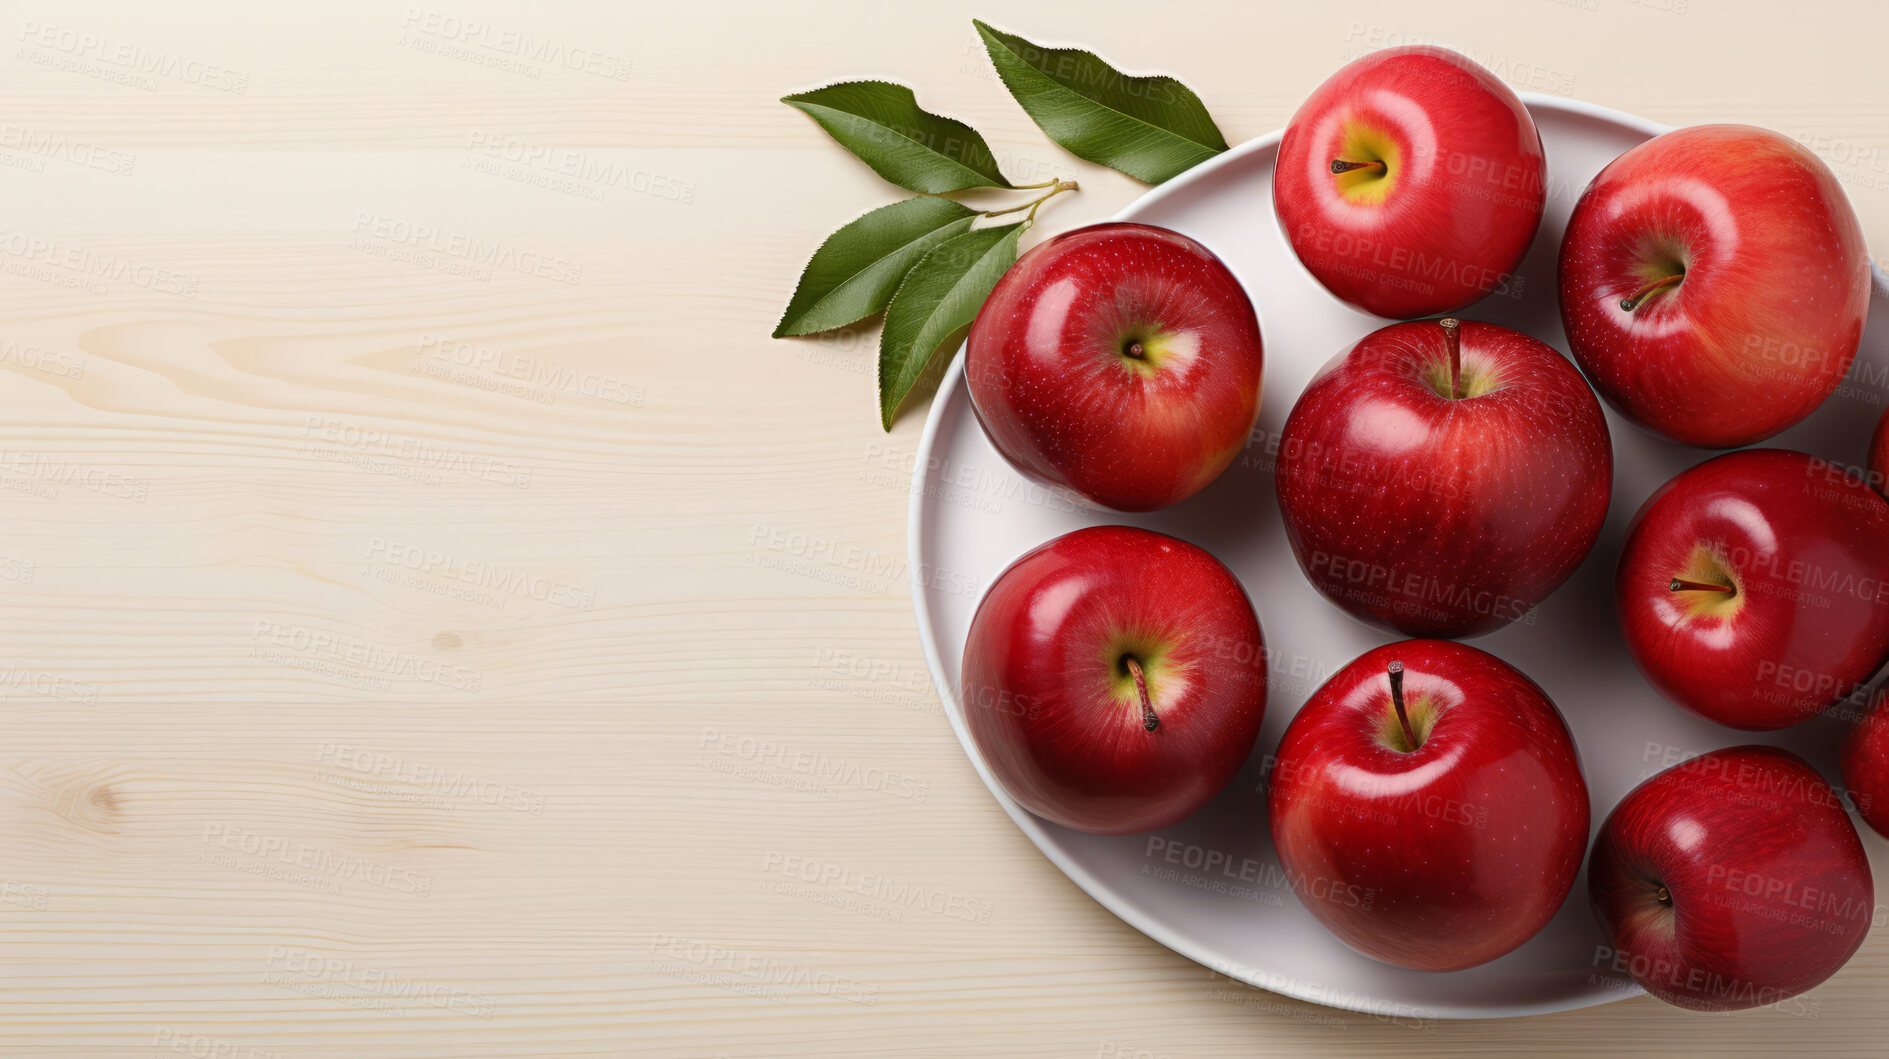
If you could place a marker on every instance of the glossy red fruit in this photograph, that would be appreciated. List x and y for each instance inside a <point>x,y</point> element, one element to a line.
<point>1753,589</point>
<point>1114,679</point>
<point>1865,764</point>
<point>1714,284</point>
<point>1437,515</point>
<point>1730,881</point>
<point>1440,839</point>
<point>1119,360</point>
<point>1411,182</point>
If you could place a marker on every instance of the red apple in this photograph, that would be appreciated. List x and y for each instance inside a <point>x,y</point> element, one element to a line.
<point>1428,807</point>
<point>1114,679</point>
<point>1714,284</point>
<point>1754,588</point>
<point>1411,182</point>
<point>1731,880</point>
<point>1119,360</point>
<point>1865,764</point>
<point>1442,479</point>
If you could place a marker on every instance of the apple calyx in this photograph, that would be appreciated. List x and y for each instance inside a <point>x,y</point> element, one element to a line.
<point>1634,300</point>
<point>1340,166</point>
<point>1454,342</point>
<point>1149,722</point>
<point>1680,584</point>
<point>1396,671</point>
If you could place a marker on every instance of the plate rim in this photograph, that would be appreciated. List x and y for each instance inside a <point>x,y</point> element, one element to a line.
<point>1097,888</point>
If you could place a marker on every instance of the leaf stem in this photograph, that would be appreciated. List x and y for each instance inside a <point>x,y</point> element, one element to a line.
<point>1061,186</point>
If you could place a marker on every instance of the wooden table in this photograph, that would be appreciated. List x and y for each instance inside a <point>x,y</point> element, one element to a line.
<point>440,621</point>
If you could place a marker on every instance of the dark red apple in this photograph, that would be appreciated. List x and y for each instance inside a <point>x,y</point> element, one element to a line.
<point>1442,479</point>
<point>1714,284</point>
<point>1114,679</point>
<point>1411,182</point>
<point>1119,360</point>
<point>1865,764</point>
<point>1753,589</point>
<point>1428,807</point>
<point>1731,881</point>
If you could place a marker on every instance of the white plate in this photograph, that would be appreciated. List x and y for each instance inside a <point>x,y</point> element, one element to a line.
<point>1210,887</point>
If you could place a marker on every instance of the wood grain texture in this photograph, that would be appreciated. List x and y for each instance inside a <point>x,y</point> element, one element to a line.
<point>440,622</point>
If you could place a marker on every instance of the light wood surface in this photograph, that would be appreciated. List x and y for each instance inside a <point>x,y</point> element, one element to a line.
<point>440,622</point>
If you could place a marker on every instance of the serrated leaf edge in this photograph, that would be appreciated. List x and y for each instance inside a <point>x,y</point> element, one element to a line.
<point>967,220</point>
<point>802,106</point>
<point>987,32</point>
<point>886,415</point>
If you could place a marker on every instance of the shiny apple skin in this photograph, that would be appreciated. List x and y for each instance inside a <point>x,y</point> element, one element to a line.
<point>1441,858</point>
<point>1769,884</point>
<point>1439,517</point>
<point>1865,763</point>
<point>1468,193</point>
<point>1047,701</point>
<point>1807,545</point>
<point>1776,289</point>
<point>1056,396</point>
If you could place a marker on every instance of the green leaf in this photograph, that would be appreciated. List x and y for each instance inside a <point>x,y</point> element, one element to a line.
<point>1151,128</point>
<point>855,271</point>
<point>936,303</point>
<point>919,151</point>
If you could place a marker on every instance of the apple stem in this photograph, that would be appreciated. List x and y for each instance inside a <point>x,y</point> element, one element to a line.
<point>1135,351</point>
<point>1148,720</point>
<point>1663,896</point>
<point>1449,324</point>
<point>1680,584</point>
<point>1632,301</point>
<point>1396,670</point>
<point>1339,165</point>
